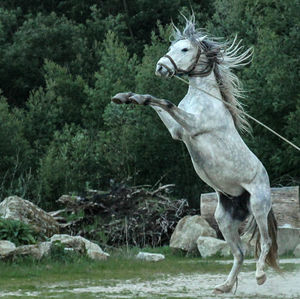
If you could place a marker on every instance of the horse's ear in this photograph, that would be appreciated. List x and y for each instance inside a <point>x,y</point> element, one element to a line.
<point>202,38</point>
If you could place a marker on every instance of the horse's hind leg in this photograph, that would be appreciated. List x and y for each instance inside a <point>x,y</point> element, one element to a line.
<point>229,217</point>
<point>260,204</point>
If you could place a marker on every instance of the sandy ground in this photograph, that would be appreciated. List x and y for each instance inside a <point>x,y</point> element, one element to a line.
<point>180,286</point>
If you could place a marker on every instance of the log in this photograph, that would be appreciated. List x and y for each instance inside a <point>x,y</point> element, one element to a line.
<point>285,204</point>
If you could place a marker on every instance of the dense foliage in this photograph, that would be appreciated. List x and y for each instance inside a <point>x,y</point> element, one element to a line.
<point>18,232</point>
<point>61,61</point>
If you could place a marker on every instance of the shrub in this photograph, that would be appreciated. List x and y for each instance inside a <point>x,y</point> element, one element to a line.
<point>73,162</point>
<point>18,232</point>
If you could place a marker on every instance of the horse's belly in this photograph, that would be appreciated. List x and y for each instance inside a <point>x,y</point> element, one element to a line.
<point>224,167</point>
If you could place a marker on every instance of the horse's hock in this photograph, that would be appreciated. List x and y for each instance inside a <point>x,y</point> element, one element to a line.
<point>286,207</point>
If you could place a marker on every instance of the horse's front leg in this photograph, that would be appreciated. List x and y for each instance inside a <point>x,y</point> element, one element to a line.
<point>190,122</point>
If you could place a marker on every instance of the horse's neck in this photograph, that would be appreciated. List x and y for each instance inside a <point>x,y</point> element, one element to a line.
<point>200,85</point>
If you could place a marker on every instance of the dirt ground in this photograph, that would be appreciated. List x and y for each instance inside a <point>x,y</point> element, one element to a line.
<point>179,286</point>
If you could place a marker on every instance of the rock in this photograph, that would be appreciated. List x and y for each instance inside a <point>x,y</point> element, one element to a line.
<point>288,239</point>
<point>285,203</point>
<point>36,251</point>
<point>249,245</point>
<point>28,250</point>
<point>188,230</point>
<point>82,245</point>
<point>16,208</point>
<point>209,246</point>
<point>150,257</point>
<point>44,248</point>
<point>6,247</point>
<point>297,251</point>
<point>69,241</point>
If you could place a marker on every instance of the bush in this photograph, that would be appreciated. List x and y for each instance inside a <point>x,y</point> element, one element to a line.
<point>18,232</point>
<point>72,163</point>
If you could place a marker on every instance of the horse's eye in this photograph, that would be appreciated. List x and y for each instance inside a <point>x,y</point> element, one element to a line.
<point>184,49</point>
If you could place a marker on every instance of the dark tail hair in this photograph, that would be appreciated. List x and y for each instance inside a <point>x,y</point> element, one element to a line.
<point>272,255</point>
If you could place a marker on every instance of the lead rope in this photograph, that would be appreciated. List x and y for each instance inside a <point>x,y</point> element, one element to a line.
<point>245,113</point>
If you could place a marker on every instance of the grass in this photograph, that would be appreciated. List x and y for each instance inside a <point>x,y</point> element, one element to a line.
<point>121,265</point>
<point>29,275</point>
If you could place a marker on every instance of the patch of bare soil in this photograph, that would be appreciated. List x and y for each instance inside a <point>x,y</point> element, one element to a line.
<point>286,286</point>
<point>201,286</point>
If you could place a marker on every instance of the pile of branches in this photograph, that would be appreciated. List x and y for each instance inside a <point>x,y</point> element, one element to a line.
<point>135,216</point>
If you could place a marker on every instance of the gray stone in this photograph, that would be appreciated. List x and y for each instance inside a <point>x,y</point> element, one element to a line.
<point>28,250</point>
<point>16,208</point>
<point>297,251</point>
<point>81,245</point>
<point>188,230</point>
<point>209,246</point>
<point>150,257</point>
<point>36,251</point>
<point>288,239</point>
<point>6,247</point>
<point>44,248</point>
<point>248,244</point>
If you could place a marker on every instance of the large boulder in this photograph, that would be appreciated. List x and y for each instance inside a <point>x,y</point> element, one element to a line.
<point>81,245</point>
<point>288,238</point>
<point>6,247</point>
<point>16,208</point>
<point>209,246</point>
<point>188,230</point>
<point>249,244</point>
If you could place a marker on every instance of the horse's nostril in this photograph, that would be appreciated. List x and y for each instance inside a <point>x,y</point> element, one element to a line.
<point>159,68</point>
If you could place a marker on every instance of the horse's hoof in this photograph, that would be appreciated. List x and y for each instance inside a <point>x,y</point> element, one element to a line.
<point>116,100</point>
<point>122,98</point>
<point>261,280</point>
<point>221,289</point>
<point>218,292</point>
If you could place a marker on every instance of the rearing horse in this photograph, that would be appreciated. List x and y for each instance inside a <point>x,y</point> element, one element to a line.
<point>209,129</point>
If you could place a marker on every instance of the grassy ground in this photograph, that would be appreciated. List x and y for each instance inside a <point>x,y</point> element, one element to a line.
<point>22,278</point>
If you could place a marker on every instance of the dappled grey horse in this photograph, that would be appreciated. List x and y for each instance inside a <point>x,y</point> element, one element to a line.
<point>209,129</point>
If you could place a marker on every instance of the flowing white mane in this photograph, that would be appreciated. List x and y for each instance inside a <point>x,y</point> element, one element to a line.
<point>223,57</point>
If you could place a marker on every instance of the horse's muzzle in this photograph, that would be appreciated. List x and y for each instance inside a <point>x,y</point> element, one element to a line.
<point>163,68</point>
<point>161,71</point>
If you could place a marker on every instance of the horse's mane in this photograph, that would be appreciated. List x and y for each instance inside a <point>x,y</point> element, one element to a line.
<point>223,57</point>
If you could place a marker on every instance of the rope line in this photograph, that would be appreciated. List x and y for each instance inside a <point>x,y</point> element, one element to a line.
<point>245,113</point>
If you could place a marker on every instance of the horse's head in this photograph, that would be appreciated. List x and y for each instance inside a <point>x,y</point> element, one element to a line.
<point>182,58</point>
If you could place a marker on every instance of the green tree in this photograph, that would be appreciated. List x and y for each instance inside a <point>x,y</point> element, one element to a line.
<point>15,152</point>
<point>116,73</point>
<point>39,38</point>
<point>73,162</point>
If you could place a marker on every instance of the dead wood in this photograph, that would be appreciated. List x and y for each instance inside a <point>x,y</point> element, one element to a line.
<point>125,215</point>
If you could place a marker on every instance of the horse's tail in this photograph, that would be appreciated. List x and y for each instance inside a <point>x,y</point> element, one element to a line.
<point>272,255</point>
